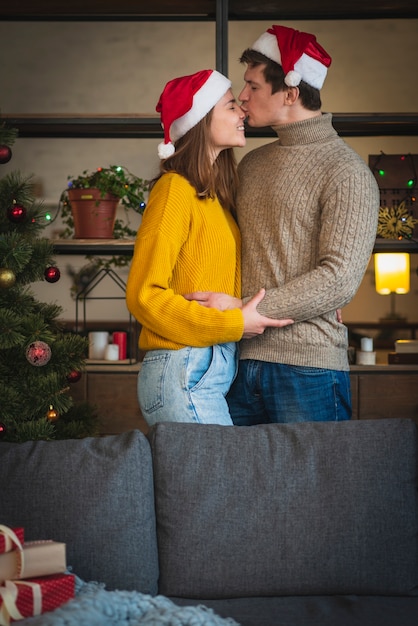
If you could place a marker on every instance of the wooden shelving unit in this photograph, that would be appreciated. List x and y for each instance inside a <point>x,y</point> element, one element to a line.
<point>377,391</point>
<point>219,11</point>
<point>127,126</point>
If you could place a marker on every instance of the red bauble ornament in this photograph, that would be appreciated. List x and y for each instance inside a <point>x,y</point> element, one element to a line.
<point>38,353</point>
<point>16,213</point>
<point>74,376</point>
<point>5,154</point>
<point>52,274</point>
<point>2,430</point>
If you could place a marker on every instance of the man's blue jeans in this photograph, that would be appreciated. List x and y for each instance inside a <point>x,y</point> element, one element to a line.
<point>264,393</point>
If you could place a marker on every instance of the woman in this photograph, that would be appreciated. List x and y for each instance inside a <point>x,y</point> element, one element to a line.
<point>188,241</point>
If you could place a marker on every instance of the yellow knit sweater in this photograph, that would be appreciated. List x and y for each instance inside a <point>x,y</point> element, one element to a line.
<point>184,244</point>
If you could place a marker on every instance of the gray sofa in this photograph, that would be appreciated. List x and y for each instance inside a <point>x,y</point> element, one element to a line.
<point>283,525</point>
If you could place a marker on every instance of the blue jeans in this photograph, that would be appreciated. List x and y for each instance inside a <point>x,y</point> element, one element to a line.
<point>264,393</point>
<point>187,385</point>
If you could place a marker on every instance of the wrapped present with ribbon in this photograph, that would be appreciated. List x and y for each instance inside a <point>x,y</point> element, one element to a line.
<point>35,558</point>
<point>27,598</point>
<point>10,538</point>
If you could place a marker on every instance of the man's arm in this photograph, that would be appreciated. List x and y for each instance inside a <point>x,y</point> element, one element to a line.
<point>254,323</point>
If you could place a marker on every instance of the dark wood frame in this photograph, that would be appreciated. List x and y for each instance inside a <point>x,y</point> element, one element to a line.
<point>148,126</point>
<point>207,9</point>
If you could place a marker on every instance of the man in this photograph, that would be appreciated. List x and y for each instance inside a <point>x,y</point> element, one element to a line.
<point>307,209</point>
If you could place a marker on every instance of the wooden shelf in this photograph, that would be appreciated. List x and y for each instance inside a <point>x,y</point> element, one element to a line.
<point>393,245</point>
<point>386,325</point>
<point>149,126</point>
<point>206,10</point>
<point>94,246</point>
<point>52,125</point>
<point>126,246</point>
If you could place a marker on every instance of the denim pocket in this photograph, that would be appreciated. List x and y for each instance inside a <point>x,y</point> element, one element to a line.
<point>213,368</point>
<point>198,366</point>
<point>151,381</point>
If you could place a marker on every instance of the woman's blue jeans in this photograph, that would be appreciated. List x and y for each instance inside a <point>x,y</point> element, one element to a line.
<point>187,385</point>
<point>265,393</point>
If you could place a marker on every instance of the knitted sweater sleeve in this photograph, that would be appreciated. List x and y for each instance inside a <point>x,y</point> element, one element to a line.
<point>171,258</point>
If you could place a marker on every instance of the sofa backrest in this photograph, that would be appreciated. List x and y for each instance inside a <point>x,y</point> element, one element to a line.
<point>285,509</point>
<point>94,494</point>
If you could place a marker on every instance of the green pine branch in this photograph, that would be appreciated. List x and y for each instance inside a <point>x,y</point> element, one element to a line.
<point>7,135</point>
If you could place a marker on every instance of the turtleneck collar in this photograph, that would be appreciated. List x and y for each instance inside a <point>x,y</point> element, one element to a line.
<point>311,130</point>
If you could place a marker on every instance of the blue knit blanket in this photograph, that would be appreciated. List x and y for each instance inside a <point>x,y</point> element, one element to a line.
<point>94,606</point>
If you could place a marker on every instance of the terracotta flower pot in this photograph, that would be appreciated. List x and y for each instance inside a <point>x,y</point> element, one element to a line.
<point>94,216</point>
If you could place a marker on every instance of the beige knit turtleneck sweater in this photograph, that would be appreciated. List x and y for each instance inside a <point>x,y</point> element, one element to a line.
<point>307,209</point>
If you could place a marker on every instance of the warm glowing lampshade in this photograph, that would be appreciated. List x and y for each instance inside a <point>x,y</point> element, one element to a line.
<point>391,272</point>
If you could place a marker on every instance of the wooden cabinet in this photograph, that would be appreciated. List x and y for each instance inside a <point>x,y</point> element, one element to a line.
<point>112,391</point>
<point>354,396</point>
<point>385,391</point>
<point>378,392</point>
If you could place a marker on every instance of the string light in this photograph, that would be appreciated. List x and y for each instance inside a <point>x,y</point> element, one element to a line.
<point>393,190</point>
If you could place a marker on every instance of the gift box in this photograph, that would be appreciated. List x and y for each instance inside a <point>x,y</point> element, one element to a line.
<point>27,598</point>
<point>34,558</point>
<point>10,538</point>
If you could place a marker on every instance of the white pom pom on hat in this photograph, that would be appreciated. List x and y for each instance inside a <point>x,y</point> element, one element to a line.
<point>293,78</point>
<point>185,101</point>
<point>299,54</point>
<point>165,150</point>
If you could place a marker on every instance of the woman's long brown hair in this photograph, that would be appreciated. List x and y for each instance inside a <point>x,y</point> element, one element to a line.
<point>192,160</point>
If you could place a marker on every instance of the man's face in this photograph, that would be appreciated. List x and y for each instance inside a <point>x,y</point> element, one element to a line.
<point>261,107</point>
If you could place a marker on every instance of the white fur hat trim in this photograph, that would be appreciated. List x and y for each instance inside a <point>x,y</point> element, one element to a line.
<point>204,100</point>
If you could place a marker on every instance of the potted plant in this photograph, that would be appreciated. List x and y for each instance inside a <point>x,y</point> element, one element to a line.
<point>125,189</point>
<point>90,202</point>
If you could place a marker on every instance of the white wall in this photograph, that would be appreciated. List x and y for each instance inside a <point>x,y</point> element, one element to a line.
<point>121,67</point>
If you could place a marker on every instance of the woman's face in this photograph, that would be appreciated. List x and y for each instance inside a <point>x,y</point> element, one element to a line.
<point>227,124</point>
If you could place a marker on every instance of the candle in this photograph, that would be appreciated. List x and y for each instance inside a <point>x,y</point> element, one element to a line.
<point>112,352</point>
<point>120,339</point>
<point>98,341</point>
<point>367,344</point>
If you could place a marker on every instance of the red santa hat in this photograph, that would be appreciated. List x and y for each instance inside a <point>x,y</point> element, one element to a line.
<point>185,101</point>
<point>299,54</point>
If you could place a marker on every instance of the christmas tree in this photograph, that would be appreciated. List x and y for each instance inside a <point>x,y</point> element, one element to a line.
<point>39,361</point>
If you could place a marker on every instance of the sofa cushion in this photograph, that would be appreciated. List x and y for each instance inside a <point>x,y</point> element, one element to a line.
<point>285,509</point>
<point>94,494</point>
<point>315,610</point>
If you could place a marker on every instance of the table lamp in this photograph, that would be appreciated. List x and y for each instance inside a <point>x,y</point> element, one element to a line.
<point>392,276</point>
